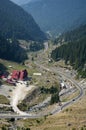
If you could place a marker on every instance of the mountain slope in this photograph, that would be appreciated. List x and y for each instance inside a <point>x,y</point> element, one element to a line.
<point>15,22</point>
<point>58,15</point>
<point>74,51</point>
<point>73,35</point>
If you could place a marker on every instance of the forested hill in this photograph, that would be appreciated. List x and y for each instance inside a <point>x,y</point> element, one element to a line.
<point>16,23</point>
<point>10,50</point>
<point>57,16</point>
<point>74,51</point>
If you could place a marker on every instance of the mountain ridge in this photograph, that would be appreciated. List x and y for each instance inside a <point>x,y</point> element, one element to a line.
<point>57,16</point>
<point>18,23</point>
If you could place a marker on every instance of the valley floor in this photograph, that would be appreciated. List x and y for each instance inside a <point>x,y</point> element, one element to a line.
<point>71,118</point>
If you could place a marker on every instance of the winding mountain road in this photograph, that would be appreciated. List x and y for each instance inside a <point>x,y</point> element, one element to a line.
<point>60,108</point>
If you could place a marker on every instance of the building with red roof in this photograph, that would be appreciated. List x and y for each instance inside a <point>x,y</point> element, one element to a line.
<point>19,75</point>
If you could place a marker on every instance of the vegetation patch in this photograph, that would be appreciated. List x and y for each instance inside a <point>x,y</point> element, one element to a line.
<point>4,100</point>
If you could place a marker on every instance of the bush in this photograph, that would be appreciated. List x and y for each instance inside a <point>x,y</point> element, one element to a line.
<point>54,98</point>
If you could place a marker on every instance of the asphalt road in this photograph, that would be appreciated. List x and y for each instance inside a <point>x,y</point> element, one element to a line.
<point>81,92</point>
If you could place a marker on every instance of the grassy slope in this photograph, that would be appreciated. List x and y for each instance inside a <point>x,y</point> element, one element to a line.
<point>3,100</point>
<point>16,66</point>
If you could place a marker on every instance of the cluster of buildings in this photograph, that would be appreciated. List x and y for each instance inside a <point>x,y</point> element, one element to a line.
<point>16,75</point>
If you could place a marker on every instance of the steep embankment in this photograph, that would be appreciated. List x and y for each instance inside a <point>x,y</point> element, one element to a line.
<point>18,95</point>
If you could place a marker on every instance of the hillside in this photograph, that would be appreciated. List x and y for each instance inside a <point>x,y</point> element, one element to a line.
<point>10,50</point>
<point>73,35</point>
<point>57,16</point>
<point>18,23</point>
<point>74,51</point>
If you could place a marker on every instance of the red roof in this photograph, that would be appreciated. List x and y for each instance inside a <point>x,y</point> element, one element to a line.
<point>19,74</point>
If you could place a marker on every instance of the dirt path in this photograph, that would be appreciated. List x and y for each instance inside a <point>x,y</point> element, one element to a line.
<point>18,95</point>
